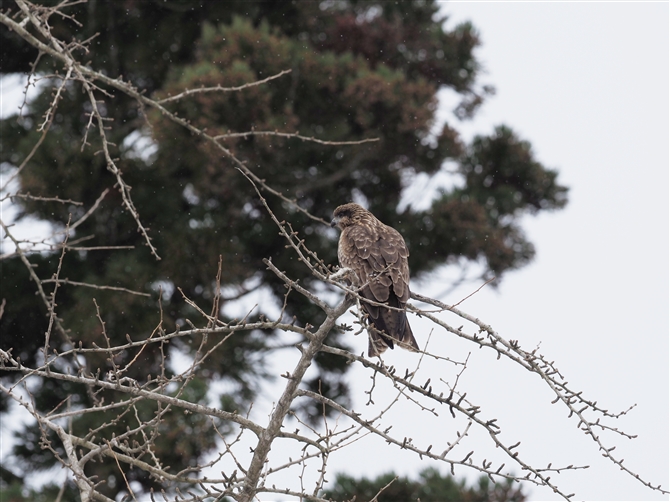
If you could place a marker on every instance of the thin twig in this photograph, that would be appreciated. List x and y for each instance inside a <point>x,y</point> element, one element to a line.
<point>218,88</point>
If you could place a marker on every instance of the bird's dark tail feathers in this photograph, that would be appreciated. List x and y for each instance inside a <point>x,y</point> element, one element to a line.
<point>408,342</point>
<point>379,340</point>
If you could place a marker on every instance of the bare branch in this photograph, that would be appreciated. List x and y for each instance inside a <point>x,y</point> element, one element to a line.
<point>94,286</point>
<point>293,135</point>
<point>218,88</point>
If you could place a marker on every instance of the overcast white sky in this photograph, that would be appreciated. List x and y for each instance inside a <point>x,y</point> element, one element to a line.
<point>587,85</point>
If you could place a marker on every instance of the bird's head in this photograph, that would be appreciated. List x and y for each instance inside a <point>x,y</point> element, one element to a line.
<point>348,214</point>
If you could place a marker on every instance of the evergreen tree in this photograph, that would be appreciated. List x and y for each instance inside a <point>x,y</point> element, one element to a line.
<point>358,69</point>
<point>431,486</point>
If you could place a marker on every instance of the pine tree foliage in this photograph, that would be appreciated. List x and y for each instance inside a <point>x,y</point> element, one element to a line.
<point>347,112</point>
<point>431,486</point>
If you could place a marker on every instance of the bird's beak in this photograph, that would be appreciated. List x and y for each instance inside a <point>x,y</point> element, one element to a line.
<point>334,222</point>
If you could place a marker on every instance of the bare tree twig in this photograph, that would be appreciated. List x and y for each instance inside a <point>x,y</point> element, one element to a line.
<point>218,88</point>
<point>94,286</point>
<point>294,135</point>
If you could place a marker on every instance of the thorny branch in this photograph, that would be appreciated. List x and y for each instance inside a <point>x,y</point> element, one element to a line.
<point>241,473</point>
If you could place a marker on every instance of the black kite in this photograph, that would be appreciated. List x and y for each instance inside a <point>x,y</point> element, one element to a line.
<point>377,256</point>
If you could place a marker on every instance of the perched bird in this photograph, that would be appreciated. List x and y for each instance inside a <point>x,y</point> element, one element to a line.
<point>376,255</point>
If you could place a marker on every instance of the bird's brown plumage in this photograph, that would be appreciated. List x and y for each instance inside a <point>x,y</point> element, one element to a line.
<point>377,255</point>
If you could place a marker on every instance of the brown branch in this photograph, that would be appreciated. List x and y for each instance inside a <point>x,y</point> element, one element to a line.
<point>27,196</point>
<point>94,286</point>
<point>284,403</point>
<point>474,292</point>
<point>218,88</point>
<point>294,135</point>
